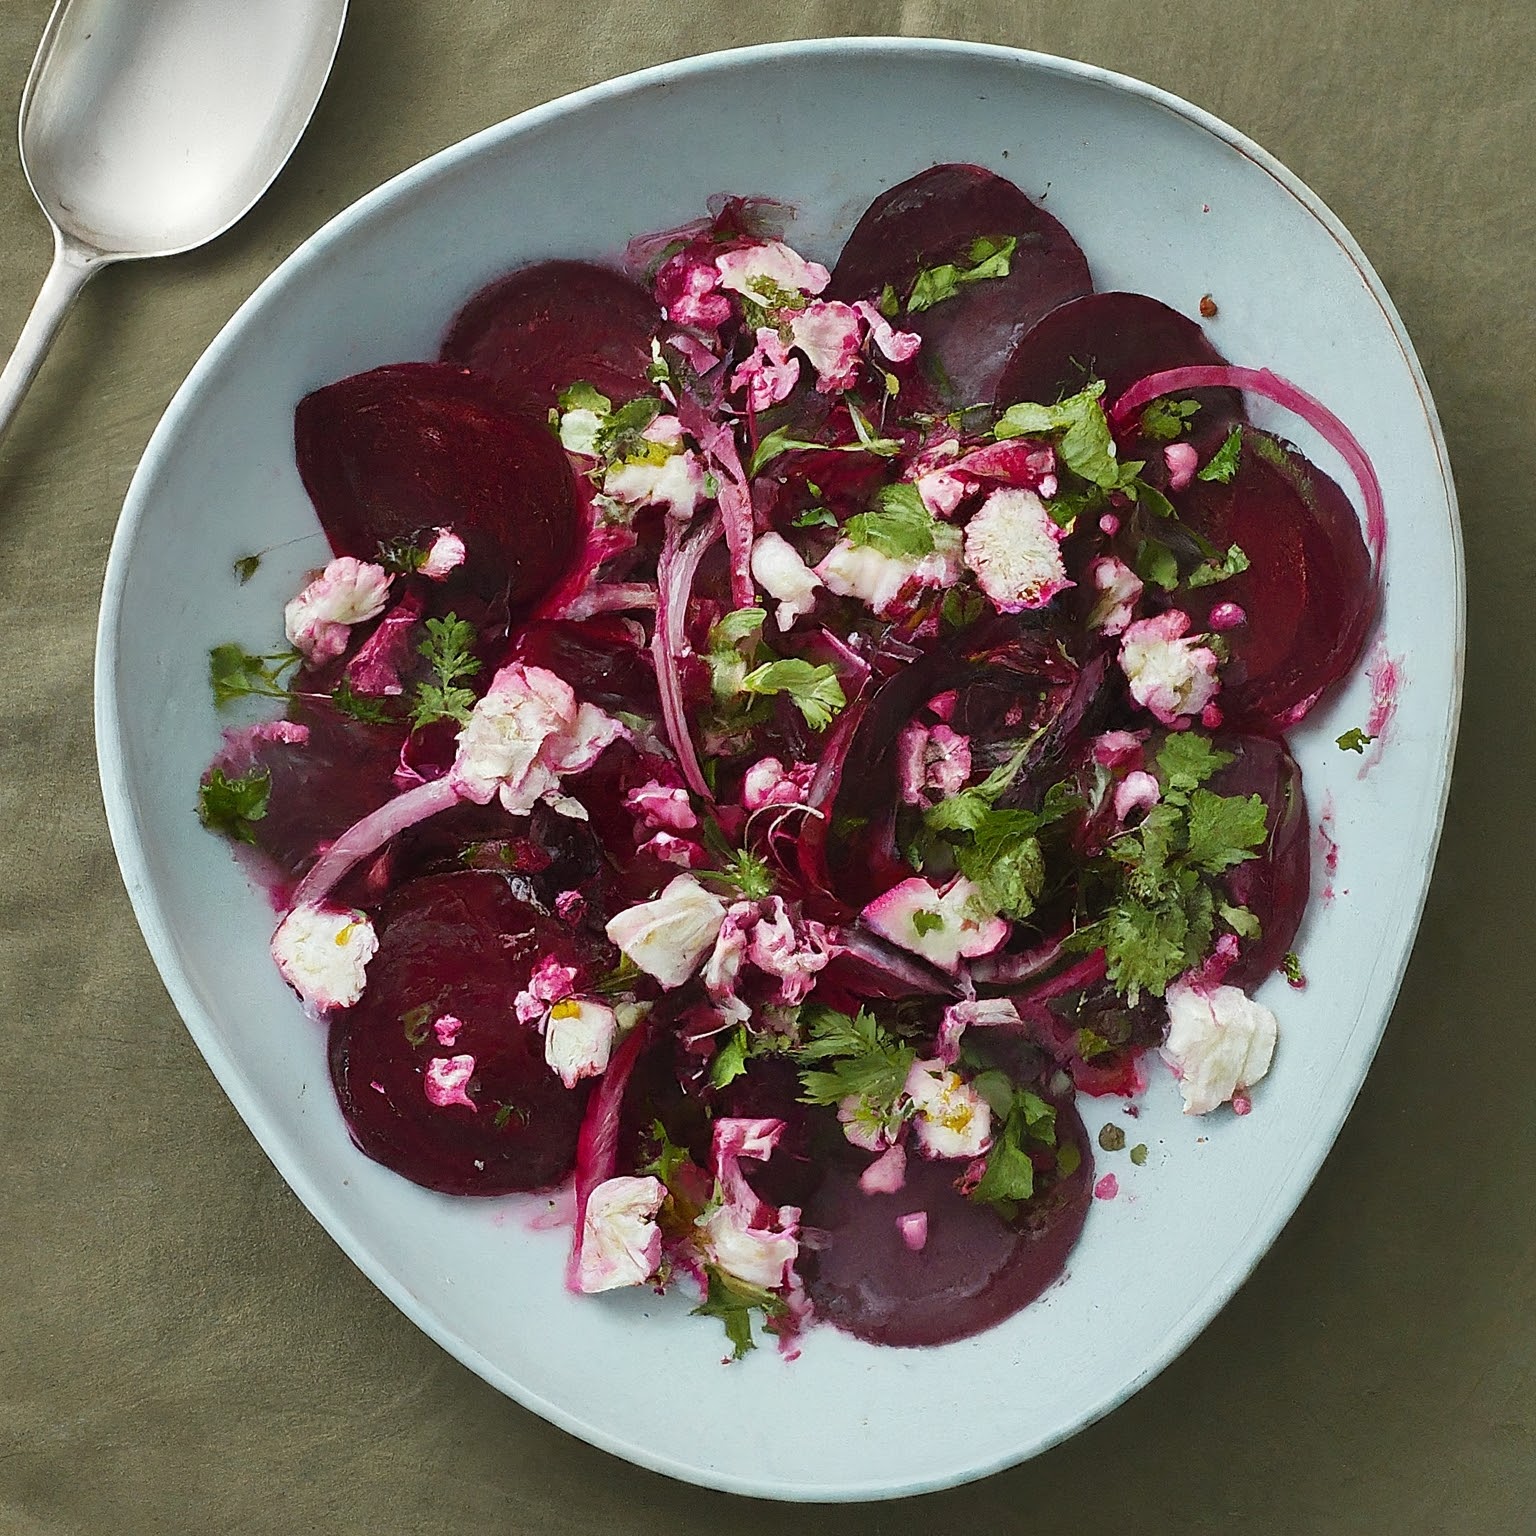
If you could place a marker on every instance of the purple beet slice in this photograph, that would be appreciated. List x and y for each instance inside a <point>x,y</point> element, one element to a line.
<point>547,326</point>
<point>934,219</point>
<point>462,946</point>
<point>396,452</point>
<point>1275,886</point>
<point>326,770</point>
<point>1308,596</point>
<point>1119,337</point>
<point>974,1270</point>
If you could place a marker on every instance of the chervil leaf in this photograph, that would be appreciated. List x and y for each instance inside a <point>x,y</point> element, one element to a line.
<point>1223,830</point>
<point>866,1061</point>
<point>236,674</point>
<point>448,652</point>
<point>1166,419</point>
<point>814,691</point>
<point>1187,759</point>
<point>733,1301</point>
<point>231,807</point>
<point>1209,572</point>
<point>361,706</point>
<point>1223,464</point>
<point>1354,740</point>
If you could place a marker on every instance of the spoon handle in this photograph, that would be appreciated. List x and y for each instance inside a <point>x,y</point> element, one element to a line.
<point>72,266</point>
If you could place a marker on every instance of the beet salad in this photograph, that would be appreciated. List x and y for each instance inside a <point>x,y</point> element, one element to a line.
<point>770,736</point>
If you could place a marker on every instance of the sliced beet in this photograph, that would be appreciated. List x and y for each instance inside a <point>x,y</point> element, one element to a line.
<point>1307,594</point>
<point>396,452</point>
<point>598,657</point>
<point>974,1270</point>
<point>1274,886</point>
<point>548,326</point>
<point>327,772</point>
<point>935,218</point>
<point>460,945</point>
<point>1118,337</point>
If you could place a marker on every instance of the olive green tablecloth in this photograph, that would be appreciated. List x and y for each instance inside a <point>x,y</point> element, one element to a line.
<point>182,1348</point>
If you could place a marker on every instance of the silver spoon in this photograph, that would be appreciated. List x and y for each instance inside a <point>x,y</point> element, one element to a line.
<point>148,127</point>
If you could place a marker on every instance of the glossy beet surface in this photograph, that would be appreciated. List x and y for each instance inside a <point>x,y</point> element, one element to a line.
<point>934,218</point>
<point>539,329</point>
<point>460,945</point>
<point>1118,337</point>
<point>974,1269</point>
<point>398,452</point>
<point>1307,593</point>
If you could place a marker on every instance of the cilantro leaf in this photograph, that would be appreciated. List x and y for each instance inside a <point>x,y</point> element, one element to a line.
<point>231,807</point>
<point>1087,446</point>
<point>1223,464</point>
<point>582,396</point>
<point>988,257</point>
<point>926,922</point>
<point>1212,571</point>
<point>782,440</point>
<point>1009,870</point>
<point>236,674</point>
<point>1354,740</point>
<point>733,1301</point>
<point>899,526</point>
<point>967,810</point>
<point>814,691</point>
<point>1009,1178</point>
<point>1166,419</point>
<point>447,649</point>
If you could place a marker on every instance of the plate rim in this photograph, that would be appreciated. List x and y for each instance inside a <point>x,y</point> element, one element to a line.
<point>129,848</point>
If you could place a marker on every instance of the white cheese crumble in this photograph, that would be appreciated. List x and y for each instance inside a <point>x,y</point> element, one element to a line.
<point>323,954</point>
<point>1219,1041</point>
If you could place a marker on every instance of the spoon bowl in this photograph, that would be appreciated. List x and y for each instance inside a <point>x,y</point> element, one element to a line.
<point>149,129</point>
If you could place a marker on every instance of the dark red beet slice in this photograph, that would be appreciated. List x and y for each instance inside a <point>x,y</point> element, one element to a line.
<point>460,945</point>
<point>399,451</point>
<point>597,657</point>
<point>1275,886</point>
<point>1118,337</point>
<point>327,771</point>
<point>975,1268</point>
<point>1307,593</point>
<point>540,329</point>
<point>935,218</point>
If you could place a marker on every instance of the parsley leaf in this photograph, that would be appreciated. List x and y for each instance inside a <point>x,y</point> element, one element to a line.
<point>814,691</point>
<point>1010,1172</point>
<point>1087,447</point>
<point>730,1061</point>
<point>1212,571</point>
<point>733,1301</point>
<point>233,806</point>
<point>899,526</point>
<point>815,517</point>
<point>988,257</point>
<point>236,674</point>
<point>1222,465</point>
<point>1354,740</point>
<point>1166,419</point>
<point>448,653</point>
